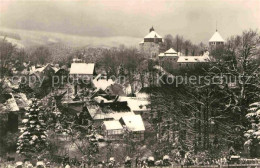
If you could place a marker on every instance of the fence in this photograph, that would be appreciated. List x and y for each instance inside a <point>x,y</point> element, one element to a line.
<point>221,166</point>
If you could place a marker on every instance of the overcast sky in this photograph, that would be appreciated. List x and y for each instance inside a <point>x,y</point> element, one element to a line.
<point>194,19</point>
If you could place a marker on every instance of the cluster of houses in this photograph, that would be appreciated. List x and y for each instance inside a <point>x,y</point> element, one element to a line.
<point>110,111</point>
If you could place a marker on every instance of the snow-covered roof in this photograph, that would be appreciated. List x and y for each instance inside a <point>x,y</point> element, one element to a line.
<point>169,53</point>
<point>180,54</point>
<point>102,83</point>
<point>55,69</point>
<point>161,55</point>
<point>136,104</point>
<point>193,59</point>
<point>113,125</point>
<point>99,99</point>
<point>141,42</point>
<point>97,114</point>
<point>216,38</point>
<point>82,68</point>
<point>118,115</point>
<point>34,69</point>
<point>134,122</point>
<point>153,34</point>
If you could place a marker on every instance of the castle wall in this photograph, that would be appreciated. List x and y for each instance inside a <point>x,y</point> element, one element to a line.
<point>150,48</point>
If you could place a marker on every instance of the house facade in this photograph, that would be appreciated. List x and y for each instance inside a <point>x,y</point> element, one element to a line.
<point>113,130</point>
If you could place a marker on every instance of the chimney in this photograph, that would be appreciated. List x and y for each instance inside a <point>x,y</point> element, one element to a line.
<point>151,29</point>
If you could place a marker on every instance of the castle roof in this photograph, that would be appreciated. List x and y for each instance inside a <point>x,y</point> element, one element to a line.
<point>170,53</point>
<point>152,34</point>
<point>216,38</point>
<point>193,59</point>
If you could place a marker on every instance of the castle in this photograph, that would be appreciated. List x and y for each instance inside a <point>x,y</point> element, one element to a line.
<point>151,44</point>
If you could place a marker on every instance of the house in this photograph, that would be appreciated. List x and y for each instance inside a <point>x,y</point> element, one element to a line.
<point>140,106</point>
<point>113,130</point>
<point>134,125</point>
<point>108,86</point>
<point>44,70</point>
<point>82,71</point>
<point>61,75</point>
<point>97,92</point>
<point>40,73</point>
<point>169,58</point>
<point>13,108</point>
<point>100,82</point>
<point>99,115</point>
<point>191,61</point>
<point>170,54</point>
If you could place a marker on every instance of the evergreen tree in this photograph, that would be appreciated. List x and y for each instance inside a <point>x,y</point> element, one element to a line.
<point>33,138</point>
<point>253,132</point>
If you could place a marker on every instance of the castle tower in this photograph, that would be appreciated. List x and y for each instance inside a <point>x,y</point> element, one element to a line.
<point>216,40</point>
<point>151,43</point>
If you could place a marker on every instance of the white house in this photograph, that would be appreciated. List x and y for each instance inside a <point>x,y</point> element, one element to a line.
<point>135,125</point>
<point>113,130</point>
<point>82,70</point>
<point>189,61</point>
<point>171,53</point>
